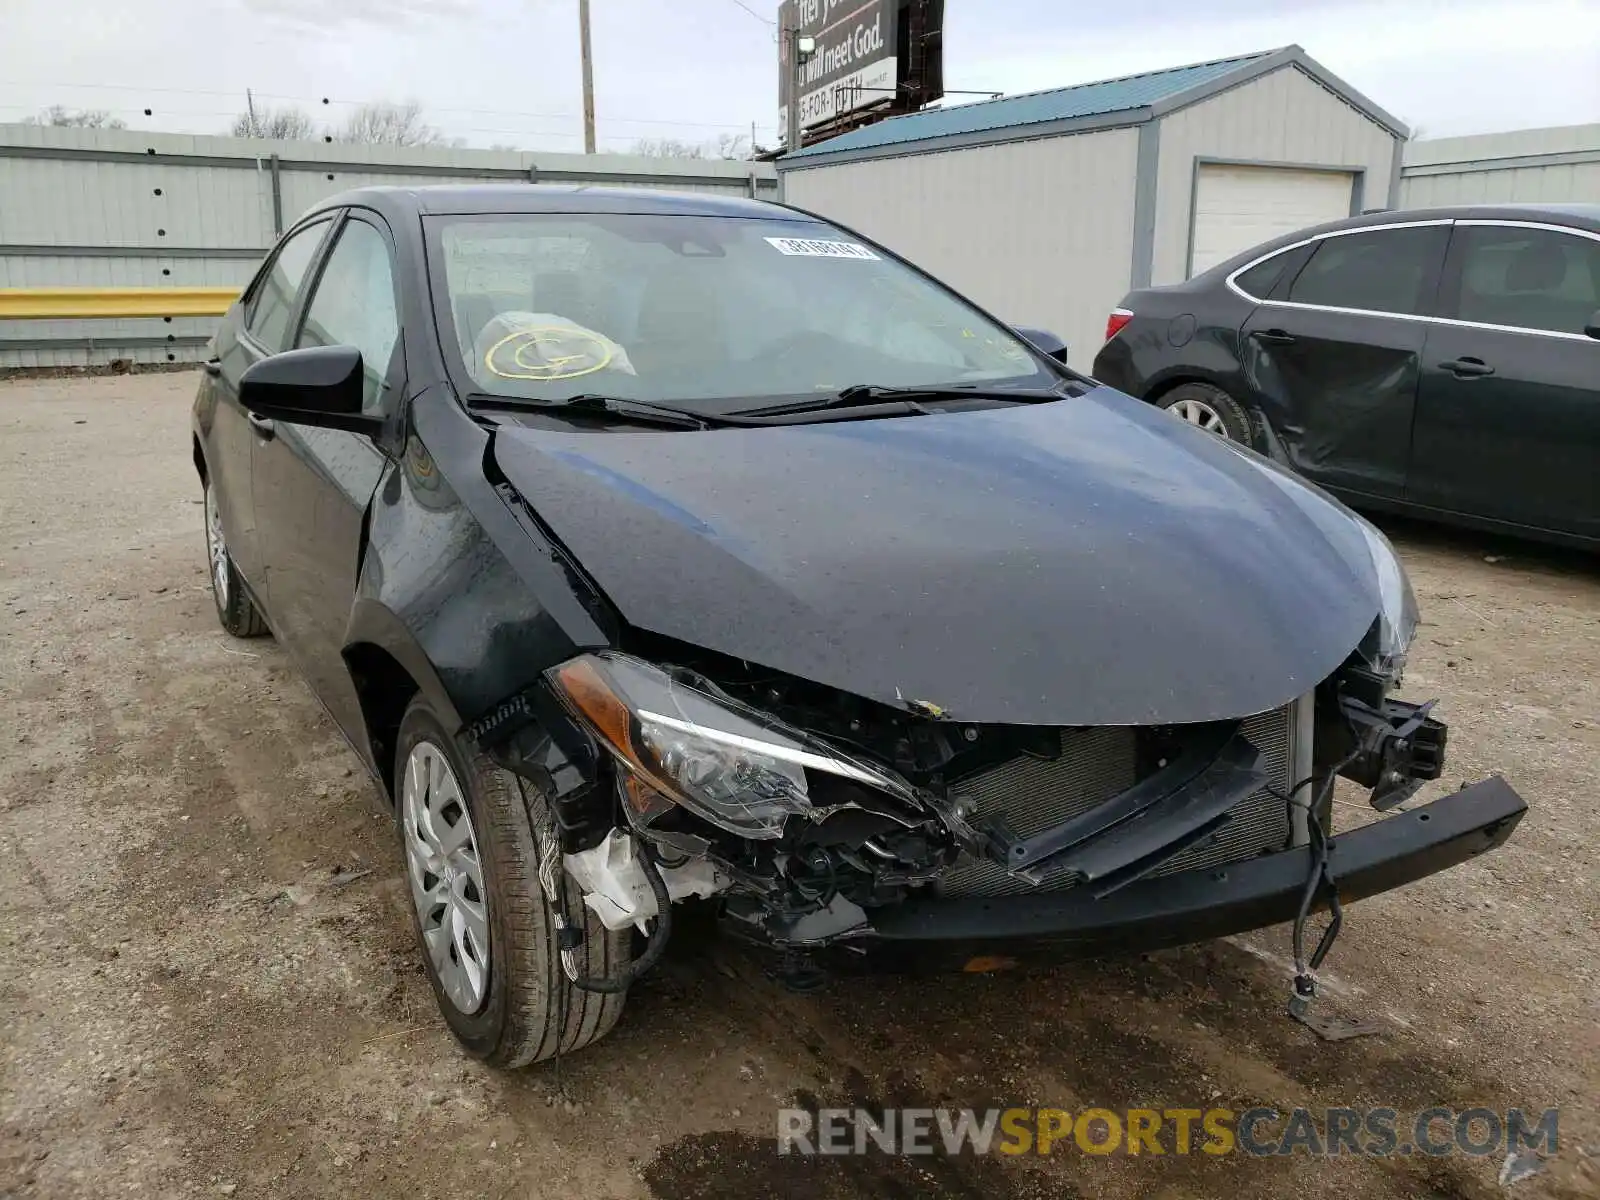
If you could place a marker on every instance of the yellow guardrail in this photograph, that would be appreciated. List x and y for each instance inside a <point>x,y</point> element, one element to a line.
<point>33,303</point>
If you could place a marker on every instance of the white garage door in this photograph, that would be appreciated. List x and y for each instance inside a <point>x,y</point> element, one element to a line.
<point>1237,207</point>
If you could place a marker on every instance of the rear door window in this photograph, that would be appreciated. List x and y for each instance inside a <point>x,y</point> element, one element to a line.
<point>1379,270</point>
<point>272,306</point>
<point>1538,279</point>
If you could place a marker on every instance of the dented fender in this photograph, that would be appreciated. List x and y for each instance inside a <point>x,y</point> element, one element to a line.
<point>466,594</point>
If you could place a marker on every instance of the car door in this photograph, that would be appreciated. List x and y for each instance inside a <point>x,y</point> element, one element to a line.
<point>312,485</point>
<point>1508,419</point>
<point>261,329</point>
<point>1334,354</point>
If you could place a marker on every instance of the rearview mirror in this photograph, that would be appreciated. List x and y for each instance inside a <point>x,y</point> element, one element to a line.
<point>1043,339</point>
<point>1593,327</point>
<point>320,385</point>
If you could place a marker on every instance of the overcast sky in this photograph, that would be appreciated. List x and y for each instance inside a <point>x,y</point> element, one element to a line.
<point>506,71</point>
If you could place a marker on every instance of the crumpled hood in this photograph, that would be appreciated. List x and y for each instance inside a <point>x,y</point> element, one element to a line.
<point>1087,562</point>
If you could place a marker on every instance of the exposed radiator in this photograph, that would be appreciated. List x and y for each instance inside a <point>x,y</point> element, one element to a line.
<point>1095,764</point>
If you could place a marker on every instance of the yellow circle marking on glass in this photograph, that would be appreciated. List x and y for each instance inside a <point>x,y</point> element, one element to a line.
<point>557,367</point>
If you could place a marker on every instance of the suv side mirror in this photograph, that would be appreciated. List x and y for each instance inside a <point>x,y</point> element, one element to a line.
<point>319,385</point>
<point>1043,339</point>
<point>1593,327</point>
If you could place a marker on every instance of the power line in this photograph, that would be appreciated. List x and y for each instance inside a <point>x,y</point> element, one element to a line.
<point>332,102</point>
<point>497,133</point>
<point>755,14</point>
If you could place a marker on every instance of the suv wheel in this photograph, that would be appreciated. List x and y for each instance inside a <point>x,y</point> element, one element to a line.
<point>1211,408</point>
<point>235,609</point>
<point>485,923</point>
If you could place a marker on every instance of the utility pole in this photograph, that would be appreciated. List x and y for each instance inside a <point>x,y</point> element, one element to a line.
<point>588,77</point>
<point>801,47</point>
<point>250,104</point>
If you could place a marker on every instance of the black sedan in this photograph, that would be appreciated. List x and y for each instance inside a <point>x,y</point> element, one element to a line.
<point>1439,362</point>
<point>656,549</point>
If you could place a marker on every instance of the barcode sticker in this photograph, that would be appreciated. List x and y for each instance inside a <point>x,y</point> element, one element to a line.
<point>821,248</point>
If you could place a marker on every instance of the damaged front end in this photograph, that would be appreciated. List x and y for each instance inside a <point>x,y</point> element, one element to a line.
<point>821,822</point>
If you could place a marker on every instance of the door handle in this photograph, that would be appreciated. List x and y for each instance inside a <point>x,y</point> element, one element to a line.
<point>1273,337</point>
<point>263,426</point>
<point>213,366</point>
<point>1467,368</point>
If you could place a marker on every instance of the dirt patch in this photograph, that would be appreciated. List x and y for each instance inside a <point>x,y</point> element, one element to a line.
<point>198,1004</point>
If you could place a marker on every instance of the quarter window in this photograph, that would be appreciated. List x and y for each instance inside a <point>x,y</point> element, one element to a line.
<point>273,303</point>
<point>354,305</point>
<point>1527,278</point>
<point>1381,270</point>
<point>1260,279</point>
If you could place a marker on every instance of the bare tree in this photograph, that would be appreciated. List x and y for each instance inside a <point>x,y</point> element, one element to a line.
<point>724,145</point>
<point>80,118</point>
<point>285,123</point>
<point>669,148</point>
<point>385,123</point>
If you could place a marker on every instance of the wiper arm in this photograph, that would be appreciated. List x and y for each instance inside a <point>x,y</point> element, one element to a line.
<point>858,394</point>
<point>640,412</point>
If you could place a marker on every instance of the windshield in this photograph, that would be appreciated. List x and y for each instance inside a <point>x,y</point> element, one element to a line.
<point>709,313</point>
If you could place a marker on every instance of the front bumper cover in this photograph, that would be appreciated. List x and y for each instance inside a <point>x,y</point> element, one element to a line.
<point>1190,906</point>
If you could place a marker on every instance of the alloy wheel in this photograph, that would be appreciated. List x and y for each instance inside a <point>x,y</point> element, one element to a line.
<point>446,876</point>
<point>1198,412</point>
<point>217,548</point>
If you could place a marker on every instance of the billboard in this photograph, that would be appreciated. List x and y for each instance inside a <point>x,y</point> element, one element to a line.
<point>855,65</point>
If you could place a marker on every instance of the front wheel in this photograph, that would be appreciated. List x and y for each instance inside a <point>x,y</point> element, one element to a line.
<point>1211,408</point>
<point>472,834</point>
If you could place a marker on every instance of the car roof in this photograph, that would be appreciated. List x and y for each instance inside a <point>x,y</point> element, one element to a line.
<point>473,199</point>
<point>1581,215</point>
<point>1578,216</point>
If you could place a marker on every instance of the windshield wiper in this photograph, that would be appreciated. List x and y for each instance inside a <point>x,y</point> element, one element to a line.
<point>640,412</point>
<point>859,394</point>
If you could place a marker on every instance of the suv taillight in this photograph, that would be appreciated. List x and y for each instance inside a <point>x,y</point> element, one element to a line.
<point>1114,323</point>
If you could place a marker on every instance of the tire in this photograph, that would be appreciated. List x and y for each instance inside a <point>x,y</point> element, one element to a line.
<point>524,1009</point>
<point>1212,409</point>
<point>235,610</point>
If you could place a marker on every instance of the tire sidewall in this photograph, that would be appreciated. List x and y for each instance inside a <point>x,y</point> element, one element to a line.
<point>480,1032</point>
<point>238,616</point>
<point>1234,417</point>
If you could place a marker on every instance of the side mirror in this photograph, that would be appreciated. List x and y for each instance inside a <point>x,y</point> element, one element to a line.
<point>1043,339</point>
<point>1593,327</point>
<point>319,385</point>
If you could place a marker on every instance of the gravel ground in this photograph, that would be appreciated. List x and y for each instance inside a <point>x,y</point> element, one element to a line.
<point>199,1001</point>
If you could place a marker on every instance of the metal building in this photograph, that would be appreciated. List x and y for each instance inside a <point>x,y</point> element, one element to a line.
<point>122,244</point>
<point>1047,207</point>
<point>1530,166</point>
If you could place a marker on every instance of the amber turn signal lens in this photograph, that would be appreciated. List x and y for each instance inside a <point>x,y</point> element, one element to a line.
<point>593,697</point>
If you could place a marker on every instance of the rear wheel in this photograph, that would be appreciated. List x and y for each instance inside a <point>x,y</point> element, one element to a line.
<point>1211,408</point>
<point>485,923</point>
<point>235,609</point>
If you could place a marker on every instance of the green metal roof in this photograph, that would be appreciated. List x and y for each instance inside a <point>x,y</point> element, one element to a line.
<point>1059,104</point>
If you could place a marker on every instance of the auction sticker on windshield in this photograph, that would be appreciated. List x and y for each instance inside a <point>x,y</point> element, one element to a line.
<point>821,248</point>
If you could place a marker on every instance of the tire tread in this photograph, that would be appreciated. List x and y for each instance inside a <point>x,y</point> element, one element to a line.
<point>544,1014</point>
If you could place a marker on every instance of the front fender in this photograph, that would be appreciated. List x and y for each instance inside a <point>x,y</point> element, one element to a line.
<point>469,597</point>
<point>372,623</point>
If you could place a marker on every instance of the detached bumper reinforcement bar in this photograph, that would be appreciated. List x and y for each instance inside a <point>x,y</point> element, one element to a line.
<point>1199,905</point>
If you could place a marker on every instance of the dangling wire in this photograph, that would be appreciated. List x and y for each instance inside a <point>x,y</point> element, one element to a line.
<point>1320,845</point>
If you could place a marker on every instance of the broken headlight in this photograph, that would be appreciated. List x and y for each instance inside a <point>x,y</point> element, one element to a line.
<point>1386,644</point>
<point>734,766</point>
